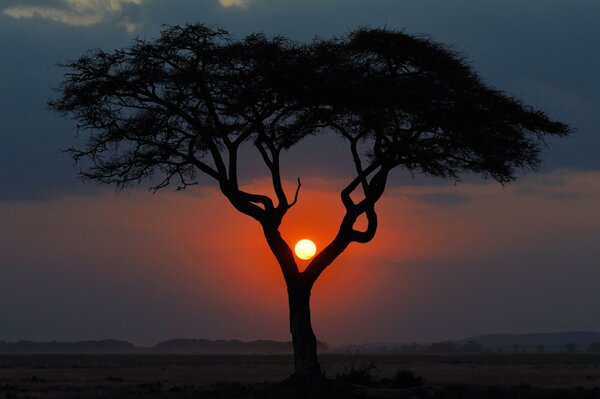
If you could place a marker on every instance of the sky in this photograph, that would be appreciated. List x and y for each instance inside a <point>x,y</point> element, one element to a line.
<point>81,261</point>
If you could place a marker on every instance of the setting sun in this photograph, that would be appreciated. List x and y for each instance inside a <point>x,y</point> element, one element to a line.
<point>305,249</point>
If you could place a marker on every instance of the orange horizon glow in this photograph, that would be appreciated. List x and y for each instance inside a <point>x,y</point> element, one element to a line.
<point>195,250</point>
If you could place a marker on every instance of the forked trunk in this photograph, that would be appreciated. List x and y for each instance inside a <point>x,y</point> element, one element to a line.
<point>307,370</point>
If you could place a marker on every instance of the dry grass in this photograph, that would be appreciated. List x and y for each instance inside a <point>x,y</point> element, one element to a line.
<point>167,376</point>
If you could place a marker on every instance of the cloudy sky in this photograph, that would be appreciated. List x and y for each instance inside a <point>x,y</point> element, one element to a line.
<point>79,261</point>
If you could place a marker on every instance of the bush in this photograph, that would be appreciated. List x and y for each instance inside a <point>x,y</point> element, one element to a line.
<point>405,379</point>
<point>360,375</point>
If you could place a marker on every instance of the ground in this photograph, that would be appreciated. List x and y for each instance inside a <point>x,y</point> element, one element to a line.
<point>181,376</point>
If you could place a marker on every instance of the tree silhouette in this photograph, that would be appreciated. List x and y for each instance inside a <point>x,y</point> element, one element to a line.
<point>183,105</point>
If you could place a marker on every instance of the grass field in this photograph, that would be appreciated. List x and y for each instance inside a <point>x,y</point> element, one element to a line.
<point>181,376</point>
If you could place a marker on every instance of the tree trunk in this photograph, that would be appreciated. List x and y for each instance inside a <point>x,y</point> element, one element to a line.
<point>307,370</point>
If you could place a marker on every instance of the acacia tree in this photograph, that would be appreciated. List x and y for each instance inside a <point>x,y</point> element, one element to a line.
<point>182,105</point>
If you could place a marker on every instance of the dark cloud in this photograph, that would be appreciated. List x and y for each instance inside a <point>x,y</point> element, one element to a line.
<point>31,162</point>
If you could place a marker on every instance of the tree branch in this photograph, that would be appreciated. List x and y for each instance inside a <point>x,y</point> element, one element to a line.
<point>282,251</point>
<point>345,193</point>
<point>364,237</point>
<point>272,164</point>
<point>347,233</point>
<point>358,164</point>
<point>296,194</point>
<point>245,202</point>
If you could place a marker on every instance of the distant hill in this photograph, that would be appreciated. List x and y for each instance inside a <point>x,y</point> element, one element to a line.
<point>175,346</point>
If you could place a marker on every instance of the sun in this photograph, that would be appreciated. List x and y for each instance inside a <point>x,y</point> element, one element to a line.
<point>305,249</point>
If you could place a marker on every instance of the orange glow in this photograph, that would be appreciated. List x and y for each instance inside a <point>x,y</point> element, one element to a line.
<point>305,249</point>
<point>195,249</point>
<point>208,272</point>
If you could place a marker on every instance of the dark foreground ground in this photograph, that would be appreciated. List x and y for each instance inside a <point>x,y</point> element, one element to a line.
<point>179,376</point>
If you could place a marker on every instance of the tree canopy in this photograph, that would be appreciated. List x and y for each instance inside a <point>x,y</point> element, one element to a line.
<point>174,105</point>
<point>185,103</point>
<point>424,109</point>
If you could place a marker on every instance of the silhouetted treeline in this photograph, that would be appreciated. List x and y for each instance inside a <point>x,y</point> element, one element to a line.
<point>176,346</point>
<point>80,347</point>
<point>573,342</point>
<point>577,341</point>
<point>223,347</point>
<point>435,347</point>
<point>569,342</point>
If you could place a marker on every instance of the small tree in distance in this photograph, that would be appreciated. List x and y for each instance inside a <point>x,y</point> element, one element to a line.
<point>184,104</point>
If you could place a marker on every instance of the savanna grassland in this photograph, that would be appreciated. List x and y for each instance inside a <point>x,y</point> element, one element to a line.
<point>207,376</point>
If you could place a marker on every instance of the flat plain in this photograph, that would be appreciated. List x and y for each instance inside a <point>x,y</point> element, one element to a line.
<point>187,376</point>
